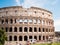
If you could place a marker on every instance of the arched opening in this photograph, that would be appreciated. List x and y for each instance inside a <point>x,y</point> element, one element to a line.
<point>6,29</point>
<point>25,29</point>
<point>6,21</point>
<point>39,21</point>
<point>20,29</point>
<point>46,29</point>
<point>15,20</point>
<point>30,37</point>
<point>20,38</point>
<point>30,29</point>
<point>15,38</point>
<point>35,29</point>
<point>46,37</point>
<point>25,38</point>
<point>39,29</point>
<point>21,21</point>
<point>15,29</point>
<point>43,37</point>
<point>43,29</point>
<point>39,37</point>
<point>10,38</point>
<point>11,21</point>
<point>30,21</point>
<point>35,37</point>
<point>10,30</point>
<point>2,21</point>
<point>35,21</point>
<point>25,21</point>
<point>43,22</point>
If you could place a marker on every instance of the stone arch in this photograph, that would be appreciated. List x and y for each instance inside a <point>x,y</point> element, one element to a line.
<point>25,29</point>
<point>25,38</point>
<point>15,29</point>
<point>15,38</point>
<point>11,21</point>
<point>10,30</point>
<point>20,38</point>
<point>35,37</point>
<point>30,29</point>
<point>43,37</point>
<point>20,29</point>
<point>39,37</point>
<point>30,37</point>
<point>6,20</point>
<point>6,29</point>
<point>35,29</point>
<point>10,38</point>
<point>39,29</point>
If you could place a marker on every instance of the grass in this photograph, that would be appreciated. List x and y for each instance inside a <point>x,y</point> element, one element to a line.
<point>47,44</point>
<point>55,43</point>
<point>41,44</point>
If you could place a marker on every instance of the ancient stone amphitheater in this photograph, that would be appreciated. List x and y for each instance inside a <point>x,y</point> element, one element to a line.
<point>22,24</point>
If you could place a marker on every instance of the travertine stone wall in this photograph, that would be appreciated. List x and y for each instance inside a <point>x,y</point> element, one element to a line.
<point>22,24</point>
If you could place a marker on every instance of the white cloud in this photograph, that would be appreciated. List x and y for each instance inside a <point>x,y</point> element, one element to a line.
<point>18,2</point>
<point>57,24</point>
<point>40,3</point>
<point>37,3</point>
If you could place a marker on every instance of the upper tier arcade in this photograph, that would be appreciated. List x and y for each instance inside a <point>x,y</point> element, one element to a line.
<point>20,11</point>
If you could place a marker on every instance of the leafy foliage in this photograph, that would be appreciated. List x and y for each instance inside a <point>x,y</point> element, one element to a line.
<point>3,37</point>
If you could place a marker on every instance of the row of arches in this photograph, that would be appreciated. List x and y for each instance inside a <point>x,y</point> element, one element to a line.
<point>26,38</point>
<point>8,21</point>
<point>35,21</point>
<point>27,29</point>
<point>21,29</point>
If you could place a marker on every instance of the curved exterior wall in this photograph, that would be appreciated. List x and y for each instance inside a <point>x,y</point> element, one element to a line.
<point>22,24</point>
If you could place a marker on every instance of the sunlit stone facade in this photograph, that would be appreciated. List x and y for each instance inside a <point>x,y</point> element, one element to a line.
<point>22,24</point>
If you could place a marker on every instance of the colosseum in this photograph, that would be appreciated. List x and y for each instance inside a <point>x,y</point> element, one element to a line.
<point>22,24</point>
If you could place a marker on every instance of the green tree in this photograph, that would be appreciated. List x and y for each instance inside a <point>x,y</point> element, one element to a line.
<point>3,37</point>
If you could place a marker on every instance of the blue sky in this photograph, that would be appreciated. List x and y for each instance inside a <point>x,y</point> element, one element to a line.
<point>51,5</point>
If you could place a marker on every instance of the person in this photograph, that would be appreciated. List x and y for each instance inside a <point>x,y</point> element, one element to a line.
<point>28,43</point>
<point>20,44</point>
